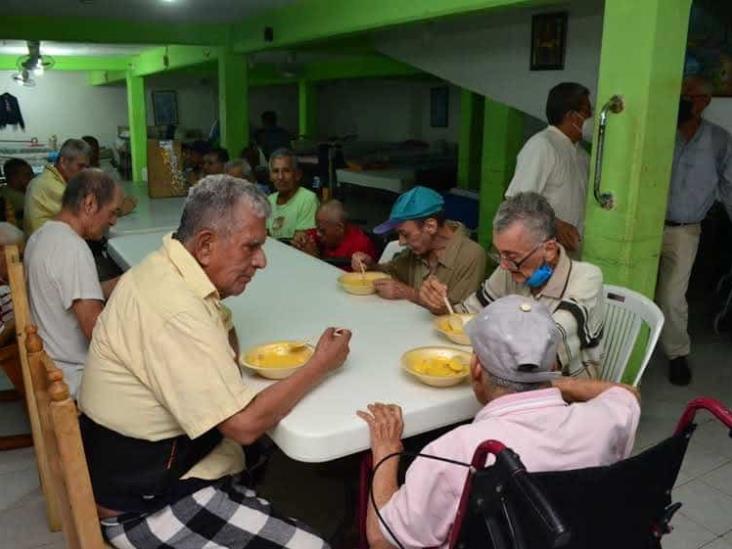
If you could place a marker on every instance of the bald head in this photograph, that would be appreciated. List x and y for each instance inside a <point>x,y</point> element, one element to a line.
<point>333,211</point>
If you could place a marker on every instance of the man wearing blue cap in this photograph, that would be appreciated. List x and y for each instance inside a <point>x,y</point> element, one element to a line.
<point>525,406</point>
<point>434,247</point>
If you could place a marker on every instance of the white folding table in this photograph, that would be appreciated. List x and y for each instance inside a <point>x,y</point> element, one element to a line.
<point>296,297</point>
<point>150,214</point>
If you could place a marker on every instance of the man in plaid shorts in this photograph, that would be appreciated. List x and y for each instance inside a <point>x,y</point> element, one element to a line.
<point>165,411</point>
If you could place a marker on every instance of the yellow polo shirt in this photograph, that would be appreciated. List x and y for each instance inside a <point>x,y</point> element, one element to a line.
<point>42,199</point>
<point>160,364</point>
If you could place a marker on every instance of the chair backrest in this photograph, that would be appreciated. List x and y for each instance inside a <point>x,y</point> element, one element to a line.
<point>21,311</point>
<point>625,314</point>
<point>391,249</point>
<point>64,449</point>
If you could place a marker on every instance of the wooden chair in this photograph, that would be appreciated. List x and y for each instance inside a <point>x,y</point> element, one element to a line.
<point>10,364</point>
<point>64,449</point>
<point>21,312</point>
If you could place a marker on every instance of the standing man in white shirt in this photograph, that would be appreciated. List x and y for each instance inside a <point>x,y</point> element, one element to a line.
<point>554,164</point>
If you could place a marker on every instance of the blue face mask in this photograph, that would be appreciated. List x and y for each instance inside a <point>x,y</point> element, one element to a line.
<point>540,276</point>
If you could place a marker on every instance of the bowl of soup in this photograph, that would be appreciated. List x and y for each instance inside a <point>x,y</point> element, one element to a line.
<point>278,359</point>
<point>437,366</point>
<point>453,327</point>
<point>360,283</point>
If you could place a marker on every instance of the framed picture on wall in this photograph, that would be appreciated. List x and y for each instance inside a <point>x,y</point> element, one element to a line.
<point>165,107</point>
<point>548,41</point>
<point>439,107</point>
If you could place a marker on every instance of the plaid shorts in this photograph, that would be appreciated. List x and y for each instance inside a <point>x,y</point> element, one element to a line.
<point>225,514</point>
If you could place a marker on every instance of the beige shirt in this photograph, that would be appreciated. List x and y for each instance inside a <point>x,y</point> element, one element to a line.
<point>43,199</point>
<point>576,298</point>
<point>551,165</point>
<point>461,266</point>
<point>160,364</point>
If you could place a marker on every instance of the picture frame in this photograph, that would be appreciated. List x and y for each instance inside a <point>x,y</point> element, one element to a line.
<point>439,107</point>
<point>165,107</point>
<point>548,41</point>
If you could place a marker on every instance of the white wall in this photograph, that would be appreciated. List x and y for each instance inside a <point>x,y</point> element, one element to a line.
<point>64,104</point>
<point>197,100</point>
<point>383,110</point>
<point>489,54</point>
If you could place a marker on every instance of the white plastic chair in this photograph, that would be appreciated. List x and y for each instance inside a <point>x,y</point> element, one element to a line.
<point>390,250</point>
<point>626,311</point>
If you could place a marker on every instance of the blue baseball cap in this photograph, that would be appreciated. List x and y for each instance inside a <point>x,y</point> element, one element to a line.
<point>414,204</point>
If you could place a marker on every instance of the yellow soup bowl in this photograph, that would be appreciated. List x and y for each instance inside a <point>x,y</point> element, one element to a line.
<point>437,366</point>
<point>277,360</point>
<point>360,284</point>
<point>451,326</point>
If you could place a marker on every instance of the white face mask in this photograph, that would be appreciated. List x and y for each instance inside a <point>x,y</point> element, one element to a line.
<point>588,129</point>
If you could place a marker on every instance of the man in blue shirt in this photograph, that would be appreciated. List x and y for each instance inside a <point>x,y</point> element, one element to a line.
<point>701,174</point>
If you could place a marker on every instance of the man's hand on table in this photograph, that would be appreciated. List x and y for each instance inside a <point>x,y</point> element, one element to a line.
<point>303,242</point>
<point>432,295</point>
<point>388,288</point>
<point>332,348</point>
<point>568,235</point>
<point>359,259</point>
<point>385,427</point>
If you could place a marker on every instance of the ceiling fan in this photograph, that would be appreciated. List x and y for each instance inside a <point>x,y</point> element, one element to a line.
<point>33,63</point>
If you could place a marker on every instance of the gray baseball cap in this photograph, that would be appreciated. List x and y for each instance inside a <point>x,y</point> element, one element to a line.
<point>516,339</point>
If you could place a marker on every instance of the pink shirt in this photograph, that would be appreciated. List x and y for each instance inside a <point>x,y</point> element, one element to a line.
<point>547,433</point>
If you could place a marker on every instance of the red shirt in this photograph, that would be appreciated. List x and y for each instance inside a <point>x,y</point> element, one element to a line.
<point>354,240</point>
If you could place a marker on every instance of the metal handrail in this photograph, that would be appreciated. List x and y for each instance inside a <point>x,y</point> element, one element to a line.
<point>614,105</point>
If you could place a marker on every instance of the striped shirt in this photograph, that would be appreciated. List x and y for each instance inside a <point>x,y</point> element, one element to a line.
<point>574,295</point>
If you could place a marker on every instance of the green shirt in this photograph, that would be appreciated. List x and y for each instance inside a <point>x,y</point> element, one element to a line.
<point>297,214</point>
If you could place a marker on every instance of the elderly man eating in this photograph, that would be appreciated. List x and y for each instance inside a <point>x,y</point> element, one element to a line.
<point>435,246</point>
<point>533,264</point>
<point>333,236</point>
<point>525,406</point>
<point>65,294</point>
<point>165,408</point>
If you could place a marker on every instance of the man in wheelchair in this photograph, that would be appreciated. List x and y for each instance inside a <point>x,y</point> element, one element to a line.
<point>552,423</point>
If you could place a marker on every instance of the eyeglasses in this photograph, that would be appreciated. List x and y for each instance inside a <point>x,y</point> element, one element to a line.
<point>510,264</point>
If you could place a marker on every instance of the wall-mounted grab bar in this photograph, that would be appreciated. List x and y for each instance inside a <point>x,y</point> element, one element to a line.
<point>614,105</point>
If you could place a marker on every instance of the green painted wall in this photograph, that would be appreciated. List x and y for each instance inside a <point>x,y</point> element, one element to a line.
<point>626,240</point>
<point>470,141</point>
<point>233,103</point>
<point>502,140</point>
<point>307,108</point>
<point>138,125</point>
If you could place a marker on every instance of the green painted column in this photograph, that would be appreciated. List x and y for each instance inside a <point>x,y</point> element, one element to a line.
<point>470,140</point>
<point>233,102</point>
<point>138,124</point>
<point>625,241</point>
<point>307,108</point>
<point>502,140</point>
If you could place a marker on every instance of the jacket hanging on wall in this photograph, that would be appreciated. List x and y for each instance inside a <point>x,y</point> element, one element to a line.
<point>10,111</point>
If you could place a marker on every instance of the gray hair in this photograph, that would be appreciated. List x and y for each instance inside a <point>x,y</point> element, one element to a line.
<point>530,209</point>
<point>10,234</point>
<point>210,205</point>
<point>239,163</point>
<point>90,181</point>
<point>74,148</point>
<point>284,153</point>
<point>335,210</point>
<point>514,386</point>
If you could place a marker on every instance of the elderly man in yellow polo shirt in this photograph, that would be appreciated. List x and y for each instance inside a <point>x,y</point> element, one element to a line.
<point>43,197</point>
<point>165,408</point>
